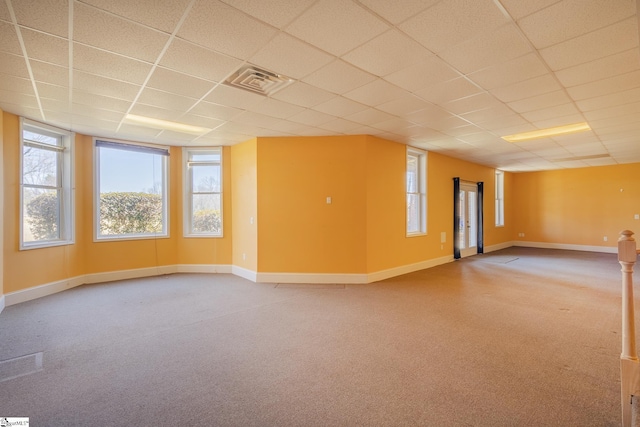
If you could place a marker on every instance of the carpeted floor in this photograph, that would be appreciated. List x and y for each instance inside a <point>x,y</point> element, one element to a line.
<point>518,337</point>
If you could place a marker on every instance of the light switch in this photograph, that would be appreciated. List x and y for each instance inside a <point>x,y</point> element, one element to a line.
<point>328,200</point>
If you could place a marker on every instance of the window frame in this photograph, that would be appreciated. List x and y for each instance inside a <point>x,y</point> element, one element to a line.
<point>134,147</point>
<point>187,225</point>
<point>499,199</point>
<point>65,184</point>
<point>421,157</point>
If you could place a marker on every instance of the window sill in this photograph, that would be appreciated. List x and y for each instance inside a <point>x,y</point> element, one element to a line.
<point>417,234</point>
<point>49,244</point>
<point>100,239</point>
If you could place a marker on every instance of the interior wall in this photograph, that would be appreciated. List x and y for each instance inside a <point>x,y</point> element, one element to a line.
<point>577,206</point>
<point>244,205</point>
<point>299,231</point>
<point>1,209</point>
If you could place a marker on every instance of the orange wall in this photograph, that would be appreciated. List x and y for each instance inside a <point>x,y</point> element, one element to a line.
<point>29,268</point>
<point>244,204</point>
<point>577,206</point>
<point>25,269</point>
<point>298,230</point>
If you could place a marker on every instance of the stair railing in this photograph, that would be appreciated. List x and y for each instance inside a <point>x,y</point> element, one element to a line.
<point>629,364</point>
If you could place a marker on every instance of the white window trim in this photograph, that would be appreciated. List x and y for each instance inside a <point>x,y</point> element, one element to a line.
<point>67,209</point>
<point>422,190</point>
<point>96,196</point>
<point>188,193</point>
<point>499,199</point>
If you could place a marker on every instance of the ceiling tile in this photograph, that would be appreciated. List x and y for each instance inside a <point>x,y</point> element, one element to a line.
<point>609,66</point>
<point>275,108</point>
<point>303,94</point>
<point>164,15</point>
<point>428,115</point>
<point>15,84</point>
<point>394,14</point>
<point>155,112</point>
<point>448,91</point>
<point>206,122</point>
<point>389,52</point>
<point>166,100</point>
<point>105,31</point>
<point>18,98</point>
<point>572,18</point>
<point>376,93</point>
<point>178,83</point>
<point>50,73</point>
<point>526,89</point>
<point>279,16</point>
<point>487,49</point>
<point>32,113</point>
<point>104,86</point>
<point>619,110</point>
<point>403,106</point>
<point>610,100</point>
<point>606,86</point>
<point>369,116</point>
<point>46,90</point>
<point>395,125</point>
<point>222,28</point>
<point>551,112</point>
<point>487,114</point>
<point>13,65</point>
<point>336,26</point>
<point>100,102</point>
<point>428,72</point>
<point>283,53</point>
<point>339,77</point>
<point>8,39</point>
<point>197,61</point>
<point>340,125</point>
<point>507,125</point>
<point>105,64</point>
<point>86,111</point>
<point>4,12</point>
<point>233,97</point>
<point>556,120</point>
<point>516,70</point>
<point>254,119</point>
<point>550,99</point>
<point>50,16</point>
<point>340,107</point>
<point>311,118</point>
<point>217,111</point>
<point>606,41</point>
<point>453,21</point>
<point>519,9</point>
<point>45,47</point>
<point>474,102</point>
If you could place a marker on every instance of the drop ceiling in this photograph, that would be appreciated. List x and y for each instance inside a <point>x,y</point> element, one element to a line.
<point>449,76</point>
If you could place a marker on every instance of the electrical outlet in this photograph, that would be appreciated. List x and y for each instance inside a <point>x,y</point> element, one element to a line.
<point>606,238</point>
<point>636,216</point>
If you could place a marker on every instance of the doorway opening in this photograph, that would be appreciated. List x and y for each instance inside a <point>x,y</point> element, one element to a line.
<point>468,224</point>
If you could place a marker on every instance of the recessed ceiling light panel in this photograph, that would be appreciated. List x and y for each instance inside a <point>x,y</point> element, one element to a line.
<point>548,133</point>
<point>258,80</point>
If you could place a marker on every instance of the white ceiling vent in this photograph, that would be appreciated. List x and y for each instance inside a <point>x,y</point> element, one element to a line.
<point>258,80</point>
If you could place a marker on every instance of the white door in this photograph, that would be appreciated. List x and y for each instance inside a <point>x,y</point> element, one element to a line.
<point>468,225</point>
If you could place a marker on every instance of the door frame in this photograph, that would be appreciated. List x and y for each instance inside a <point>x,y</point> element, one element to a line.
<point>456,217</point>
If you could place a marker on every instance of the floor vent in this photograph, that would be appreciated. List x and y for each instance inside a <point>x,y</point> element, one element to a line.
<point>258,80</point>
<point>20,366</point>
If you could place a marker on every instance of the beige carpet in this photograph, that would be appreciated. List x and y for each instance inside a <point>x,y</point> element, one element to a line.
<point>533,341</point>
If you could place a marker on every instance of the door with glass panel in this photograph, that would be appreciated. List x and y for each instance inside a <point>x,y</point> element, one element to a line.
<point>468,221</point>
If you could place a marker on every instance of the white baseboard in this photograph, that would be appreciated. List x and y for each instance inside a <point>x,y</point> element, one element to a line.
<point>110,276</point>
<point>1,303</point>
<point>244,273</point>
<point>568,247</point>
<point>498,247</point>
<point>409,268</point>
<point>43,290</point>
<point>324,278</point>
<point>204,268</point>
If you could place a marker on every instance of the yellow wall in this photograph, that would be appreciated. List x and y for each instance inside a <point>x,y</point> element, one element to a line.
<point>577,206</point>
<point>244,204</point>
<point>34,267</point>
<point>1,202</point>
<point>298,231</point>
